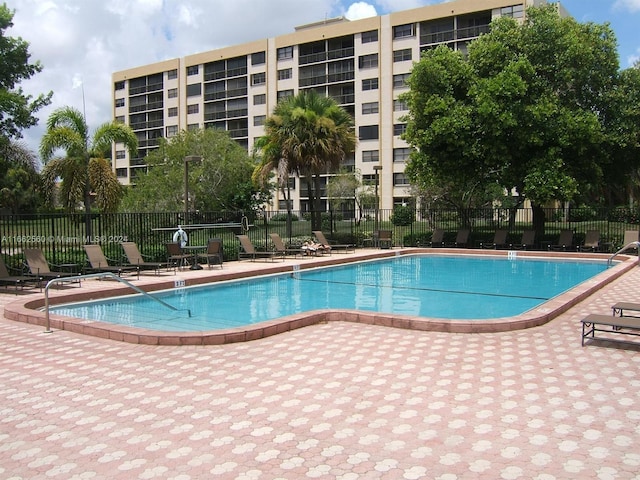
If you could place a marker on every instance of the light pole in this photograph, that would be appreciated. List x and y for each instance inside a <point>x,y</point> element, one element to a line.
<point>376,169</point>
<point>187,159</point>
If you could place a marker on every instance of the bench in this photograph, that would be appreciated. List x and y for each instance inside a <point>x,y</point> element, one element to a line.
<point>620,307</point>
<point>592,321</point>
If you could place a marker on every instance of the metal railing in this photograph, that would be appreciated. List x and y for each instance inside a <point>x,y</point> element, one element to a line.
<point>110,275</point>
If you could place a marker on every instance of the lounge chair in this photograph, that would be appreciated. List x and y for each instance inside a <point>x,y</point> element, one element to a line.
<point>527,241</point>
<point>565,241</point>
<point>385,238</point>
<point>499,240</point>
<point>247,250</point>
<point>322,240</point>
<point>591,242</point>
<point>39,267</point>
<point>134,257</point>
<point>176,257</point>
<point>16,280</point>
<point>213,255</point>
<point>437,238</point>
<point>462,238</point>
<point>283,249</point>
<point>98,263</point>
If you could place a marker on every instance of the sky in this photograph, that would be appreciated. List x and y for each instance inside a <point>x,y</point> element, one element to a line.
<point>80,43</point>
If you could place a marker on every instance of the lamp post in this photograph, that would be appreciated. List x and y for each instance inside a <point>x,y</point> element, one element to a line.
<point>187,159</point>
<point>376,169</point>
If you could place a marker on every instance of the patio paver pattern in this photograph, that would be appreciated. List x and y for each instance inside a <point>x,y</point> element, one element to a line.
<point>334,401</point>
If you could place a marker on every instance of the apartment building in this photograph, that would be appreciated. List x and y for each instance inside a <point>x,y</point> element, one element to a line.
<point>362,64</point>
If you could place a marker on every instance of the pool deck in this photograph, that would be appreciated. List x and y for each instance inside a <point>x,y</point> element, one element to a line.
<point>334,400</point>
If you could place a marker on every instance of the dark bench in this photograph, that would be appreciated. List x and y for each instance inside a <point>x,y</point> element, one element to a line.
<point>620,307</point>
<point>619,325</point>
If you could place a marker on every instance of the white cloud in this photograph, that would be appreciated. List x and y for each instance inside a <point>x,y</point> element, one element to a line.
<point>630,5</point>
<point>360,10</point>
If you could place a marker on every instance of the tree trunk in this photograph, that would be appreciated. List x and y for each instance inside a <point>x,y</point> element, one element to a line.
<point>317,204</point>
<point>538,220</point>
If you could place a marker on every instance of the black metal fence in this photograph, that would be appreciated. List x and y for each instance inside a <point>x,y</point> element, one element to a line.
<point>62,236</point>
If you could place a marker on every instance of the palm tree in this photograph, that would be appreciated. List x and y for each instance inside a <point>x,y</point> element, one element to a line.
<point>84,169</point>
<point>309,135</point>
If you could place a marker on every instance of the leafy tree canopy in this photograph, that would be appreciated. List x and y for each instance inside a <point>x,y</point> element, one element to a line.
<point>221,181</point>
<point>529,110</point>
<point>17,110</point>
<point>21,180</point>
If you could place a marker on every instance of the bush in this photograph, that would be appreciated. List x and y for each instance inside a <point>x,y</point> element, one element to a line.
<point>403,216</point>
<point>282,217</point>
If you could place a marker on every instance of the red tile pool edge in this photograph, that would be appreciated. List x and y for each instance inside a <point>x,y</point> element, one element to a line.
<point>27,310</point>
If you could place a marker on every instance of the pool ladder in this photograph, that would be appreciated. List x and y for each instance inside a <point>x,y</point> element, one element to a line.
<point>113,276</point>
<point>626,247</point>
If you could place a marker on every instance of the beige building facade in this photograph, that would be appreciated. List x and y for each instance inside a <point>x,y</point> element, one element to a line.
<point>362,64</point>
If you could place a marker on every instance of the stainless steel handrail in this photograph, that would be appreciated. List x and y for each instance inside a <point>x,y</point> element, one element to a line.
<point>99,275</point>
<point>626,247</point>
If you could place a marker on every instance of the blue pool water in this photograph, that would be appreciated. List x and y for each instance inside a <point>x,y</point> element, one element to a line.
<point>421,285</point>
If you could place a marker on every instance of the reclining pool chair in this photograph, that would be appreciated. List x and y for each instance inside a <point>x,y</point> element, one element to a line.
<point>134,257</point>
<point>247,250</point>
<point>39,267</point>
<point>499,239</point>
<point>322,240</point>
<point>565,241</point>
<point>283,249</point>
<point>16,280</point>
<point>527,242</point>
<point>437,238</point>
<point>98,263</point>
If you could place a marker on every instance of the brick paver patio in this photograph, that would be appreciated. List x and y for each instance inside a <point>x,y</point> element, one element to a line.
<point>334,401</point>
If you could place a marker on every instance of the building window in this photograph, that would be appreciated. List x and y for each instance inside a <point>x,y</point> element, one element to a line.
<point>370,36</point>
<point>194,89</point>
<point>258,78</point>
<point>369,108</point>
<point>120,119</point>
<point>284,74</point>
<point>400,80</point>
<point>121,172</point>
<point>516,11</point>
<point>258,120</point>
<point>260,99</point>
<point>118,86</point>
<point>173,112</point>
<point>284,94</point>
<point>172,93</point>
<point>194,108</point>
<point>369,132</point>
<point>258,58</point>
<point>399,128</point>
<point>399,106</point>
<point>172,131</point>
<point>400,179</point>
<point>371,156</point>
<point>193,70</point>
<point>172,74</point>
<point>119,102</point>
<point>368,61</point>
<point>401,155</point>
<point>370,84</point>
<point>285,53</point>
<point>120,154</point>
<point>403,31</point>
<point>402,55</point>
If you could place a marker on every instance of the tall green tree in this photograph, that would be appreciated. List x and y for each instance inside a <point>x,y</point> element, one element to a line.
<point>20,183</point>
<point>220,182</point>
<point>17,110</point>
<point>312,135</point>
<point>84,169</point>
<point>535,96</point>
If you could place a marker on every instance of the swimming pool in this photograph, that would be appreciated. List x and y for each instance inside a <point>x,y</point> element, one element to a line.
<point>445,287</point>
